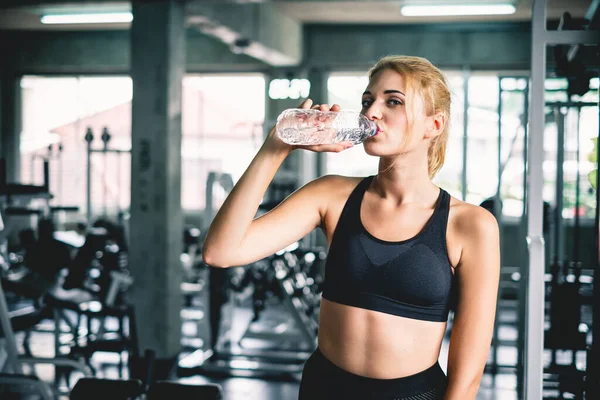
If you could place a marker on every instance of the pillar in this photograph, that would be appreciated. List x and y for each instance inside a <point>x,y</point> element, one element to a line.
<point>156,230</point>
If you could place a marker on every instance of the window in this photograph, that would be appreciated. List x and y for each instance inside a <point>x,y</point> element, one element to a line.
<point>512,166</point>
<point>587,122</point>
<point>222,129</point>
<point>222,123</point>
<point>482,134</point>
<point>449,176</point>
<point>580,128</point>
<point>57,111</point>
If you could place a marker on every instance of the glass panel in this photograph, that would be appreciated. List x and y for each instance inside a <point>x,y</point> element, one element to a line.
<point>588,132</point>
<point>449,176</point>
<point>570,162</point>
<point>584,125</point>
<point>550,154</point>
<point>482,132</point>
<point>592,94</point>
<point>512,148</point>
<point>221,132</point>
<point>59,111</point>
<point>556,89</point>
<point>222,129</point>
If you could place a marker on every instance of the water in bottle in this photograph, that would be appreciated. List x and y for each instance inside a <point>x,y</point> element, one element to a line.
<point>310,127</point>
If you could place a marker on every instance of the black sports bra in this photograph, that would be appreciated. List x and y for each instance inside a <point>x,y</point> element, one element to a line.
<point>412,278</point>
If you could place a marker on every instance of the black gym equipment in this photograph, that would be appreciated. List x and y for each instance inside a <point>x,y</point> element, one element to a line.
<point>270,321</point>
<point>13,382</point>
<point>593,355</point>
<point>569,283</point>
<point>105,151</point>
<point>167,390</point>
<point>114,389</point>
<point>565,334</point>
<point>263,317</point>
<point>569,291</point>
<point>133,389</point>
<point>93,292</point>
<point>95,282</point>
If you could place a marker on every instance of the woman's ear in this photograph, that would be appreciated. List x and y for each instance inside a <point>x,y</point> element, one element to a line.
<point>437,123</point>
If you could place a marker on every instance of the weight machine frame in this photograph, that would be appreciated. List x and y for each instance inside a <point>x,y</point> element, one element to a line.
<point>89,138</point>
<point>534,279</point>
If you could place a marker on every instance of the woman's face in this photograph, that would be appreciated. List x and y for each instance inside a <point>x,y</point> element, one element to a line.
<point>384,101</point>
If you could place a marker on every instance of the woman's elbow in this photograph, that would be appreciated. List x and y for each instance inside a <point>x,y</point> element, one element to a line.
<point>213,257</point>
<point>465,389</point>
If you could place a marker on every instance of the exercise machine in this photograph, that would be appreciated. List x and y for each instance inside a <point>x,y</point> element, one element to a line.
<point>105,150</point>
<point>270,321</point>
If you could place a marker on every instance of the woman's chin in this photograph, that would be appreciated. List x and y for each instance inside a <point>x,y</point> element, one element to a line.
<point>373,148</point>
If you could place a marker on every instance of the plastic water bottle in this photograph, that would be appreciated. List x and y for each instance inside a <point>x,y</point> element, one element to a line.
<point>310,127</point>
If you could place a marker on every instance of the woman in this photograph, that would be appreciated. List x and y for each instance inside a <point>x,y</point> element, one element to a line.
<point>402,251</point>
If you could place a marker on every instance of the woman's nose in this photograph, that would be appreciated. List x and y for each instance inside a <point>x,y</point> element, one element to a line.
<point>373,112</point>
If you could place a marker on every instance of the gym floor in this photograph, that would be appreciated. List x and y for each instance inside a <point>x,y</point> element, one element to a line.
<point>498,387</point>
<point>502,388</point>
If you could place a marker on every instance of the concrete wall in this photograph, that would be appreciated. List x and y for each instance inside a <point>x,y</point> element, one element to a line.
<point>498,47</point>
<point>105,52</point>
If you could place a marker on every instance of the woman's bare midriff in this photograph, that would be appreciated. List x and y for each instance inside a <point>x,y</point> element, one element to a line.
<point>377,345</point>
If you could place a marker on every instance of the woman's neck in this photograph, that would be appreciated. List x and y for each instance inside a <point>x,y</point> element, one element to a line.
<point>405,181</point>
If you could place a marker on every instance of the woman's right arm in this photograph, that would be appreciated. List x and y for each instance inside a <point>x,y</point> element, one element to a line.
<point>236,238</point>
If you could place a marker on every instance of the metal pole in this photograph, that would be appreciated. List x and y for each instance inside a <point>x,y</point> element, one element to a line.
<point>32,168</point>
<point>499,188</point>
<point>9,337</point>
<point>525,140</point>
<point>89,136</point>
<point>522,307</point>
<point>60,174</point>
<point>534,338</point>
<point>576,237</point>
<point>559,233</point>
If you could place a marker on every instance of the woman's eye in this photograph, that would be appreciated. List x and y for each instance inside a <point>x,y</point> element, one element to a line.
<point>395,102</point>
<point>366,103</point>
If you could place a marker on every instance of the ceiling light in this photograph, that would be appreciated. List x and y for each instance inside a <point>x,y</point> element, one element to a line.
<point>455,10</point>
<point>96,18</point>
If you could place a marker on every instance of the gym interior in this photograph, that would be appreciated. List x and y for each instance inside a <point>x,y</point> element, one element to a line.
<point>124,126</point>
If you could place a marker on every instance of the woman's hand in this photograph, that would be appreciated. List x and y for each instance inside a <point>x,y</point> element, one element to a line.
<point>275,141</point>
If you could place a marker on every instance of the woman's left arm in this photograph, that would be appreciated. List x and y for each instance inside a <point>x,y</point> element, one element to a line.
<point>477,277</point>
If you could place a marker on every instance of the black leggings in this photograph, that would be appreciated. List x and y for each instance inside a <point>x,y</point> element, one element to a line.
<point>323,380</point>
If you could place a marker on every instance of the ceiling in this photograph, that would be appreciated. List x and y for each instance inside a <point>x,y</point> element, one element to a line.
<point>305,11</point>
<point>389,11</point>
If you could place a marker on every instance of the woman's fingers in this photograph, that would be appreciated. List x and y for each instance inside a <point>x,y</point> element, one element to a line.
<point>329,148</point>
<point>306,103</point>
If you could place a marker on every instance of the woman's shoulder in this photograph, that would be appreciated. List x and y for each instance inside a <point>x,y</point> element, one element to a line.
<point>470,220</point>
<point>337,184</point>
<point>473,230</point>
<point>334,187</point>
<point>340,179</point>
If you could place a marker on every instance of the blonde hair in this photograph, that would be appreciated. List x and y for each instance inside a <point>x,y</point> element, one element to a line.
<point>422,77</point>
